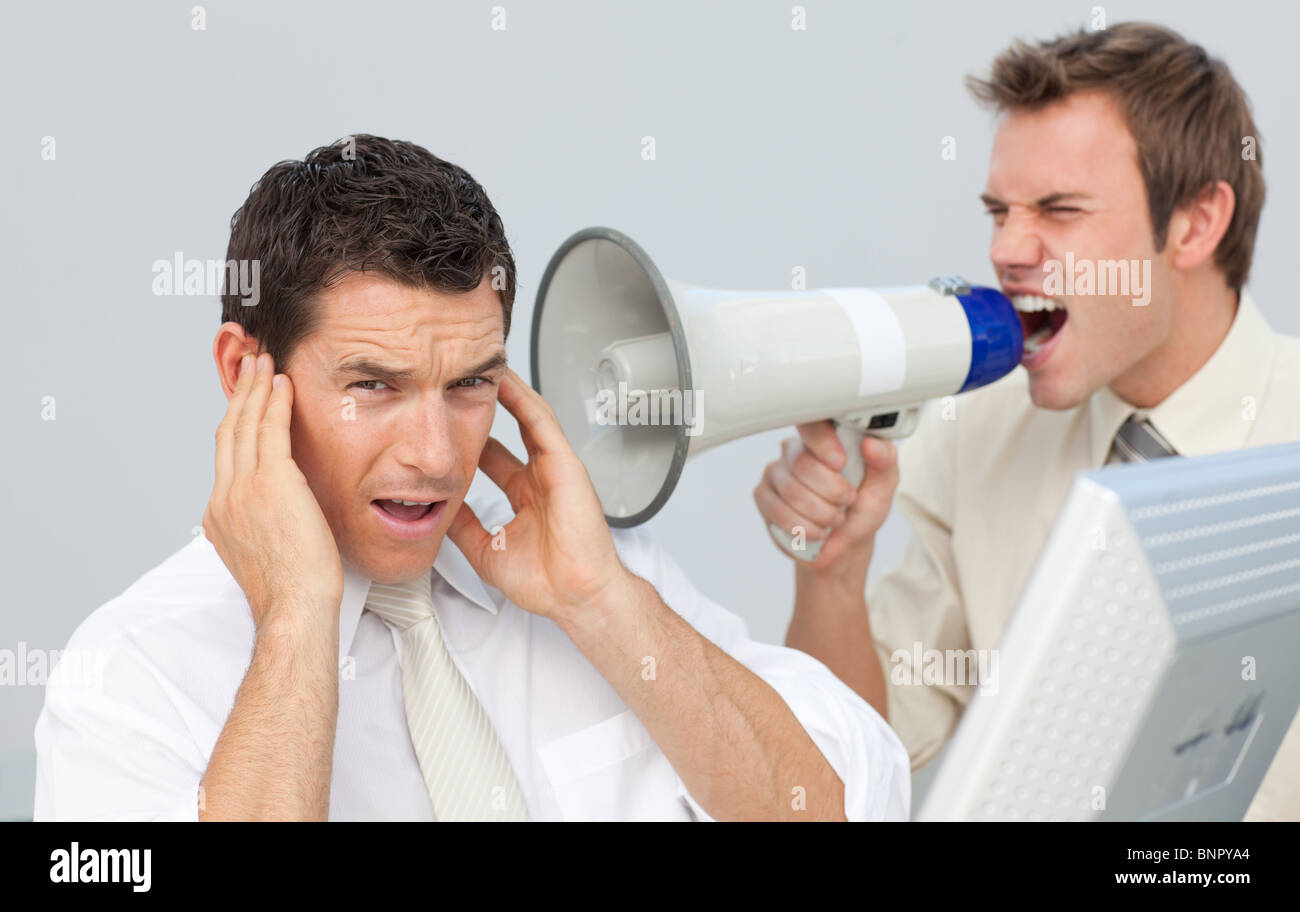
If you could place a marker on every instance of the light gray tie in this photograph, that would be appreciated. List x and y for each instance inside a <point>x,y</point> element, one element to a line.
<point>465,767</point>
<point>1138,441</point>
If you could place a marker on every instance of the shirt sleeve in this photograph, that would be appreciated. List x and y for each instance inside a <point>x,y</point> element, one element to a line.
<point>917,606</point>
<point>856,742</point>
<point>111,745</point>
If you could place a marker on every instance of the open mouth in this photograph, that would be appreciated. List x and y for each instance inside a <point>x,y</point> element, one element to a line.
<point>1041,319</point>
<point>408,519</point>
<point>405,510</point>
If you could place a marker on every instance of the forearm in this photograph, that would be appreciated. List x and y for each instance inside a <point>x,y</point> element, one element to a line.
<point>738,748</point>
<point>831,624</point>
<point>274,756</point>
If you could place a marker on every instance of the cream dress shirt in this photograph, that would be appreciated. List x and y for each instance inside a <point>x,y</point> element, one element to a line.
<point>132,742</point>
<point>981,487</point>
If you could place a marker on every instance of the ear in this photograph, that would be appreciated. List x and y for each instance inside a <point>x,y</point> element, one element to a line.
<point>228,349</point>
<point>1196,229</point>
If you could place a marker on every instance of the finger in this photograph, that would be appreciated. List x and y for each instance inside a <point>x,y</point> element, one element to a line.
<point>875,495</point>
<point>828,484</point>
<point>802,499</point>
<point>498,463</point>
<point>528,431</point>
<point>225,455</point>
<point>273,440</point>
<point>870,507</point>
<point>250,417</point>
<point>820,438</point>
<point>538,426</point>
<point>468,534</point>
<point>835,545</point>
<point>779,513</point>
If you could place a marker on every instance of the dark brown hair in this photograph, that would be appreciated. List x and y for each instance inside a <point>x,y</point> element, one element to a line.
<point>1187,114</point>
<point>363,204</point>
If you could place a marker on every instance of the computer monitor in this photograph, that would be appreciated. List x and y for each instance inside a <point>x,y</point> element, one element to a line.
<point>1149,671</point>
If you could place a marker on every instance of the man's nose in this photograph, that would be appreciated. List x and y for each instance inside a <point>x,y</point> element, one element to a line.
<point>1016,244</point>
<point>425,439</point>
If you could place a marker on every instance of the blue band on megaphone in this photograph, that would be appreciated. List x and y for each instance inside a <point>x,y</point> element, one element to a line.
<point>997,340</point>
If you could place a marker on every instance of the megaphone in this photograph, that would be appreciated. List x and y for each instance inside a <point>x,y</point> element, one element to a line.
<point>644,372</point>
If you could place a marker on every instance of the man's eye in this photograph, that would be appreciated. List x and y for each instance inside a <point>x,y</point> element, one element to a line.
<point>362,385</point>
<point>1063,209</point>
<point>471,382</point>
<point>995,212</point>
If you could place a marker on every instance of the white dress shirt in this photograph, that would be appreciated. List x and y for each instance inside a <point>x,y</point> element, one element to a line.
<point>133,742</point>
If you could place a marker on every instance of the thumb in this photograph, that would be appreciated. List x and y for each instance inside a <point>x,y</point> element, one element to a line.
<point>468,534</point>
<point>879,481</point>
<point>879,456</point>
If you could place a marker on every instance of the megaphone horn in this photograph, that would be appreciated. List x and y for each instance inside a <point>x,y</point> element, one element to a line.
<point>644,372</point>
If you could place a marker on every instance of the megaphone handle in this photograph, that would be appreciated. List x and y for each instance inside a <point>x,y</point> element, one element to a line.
<point>792,541</point>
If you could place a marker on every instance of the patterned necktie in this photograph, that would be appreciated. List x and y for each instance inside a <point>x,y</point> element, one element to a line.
<point>1138,441</point>
<point>465,767</point>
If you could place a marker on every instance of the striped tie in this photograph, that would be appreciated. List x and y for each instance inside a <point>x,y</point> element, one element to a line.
<point>464,765</point>
<point>1138,441</point>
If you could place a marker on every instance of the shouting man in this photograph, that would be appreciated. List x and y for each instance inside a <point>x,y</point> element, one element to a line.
<point>1128,145</point>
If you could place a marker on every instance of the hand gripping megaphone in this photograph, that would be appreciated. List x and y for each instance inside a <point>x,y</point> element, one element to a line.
<point>644,372</point>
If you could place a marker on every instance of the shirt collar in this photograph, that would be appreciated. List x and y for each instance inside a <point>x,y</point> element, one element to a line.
<point>1208,413</point>
<point>450,564</point>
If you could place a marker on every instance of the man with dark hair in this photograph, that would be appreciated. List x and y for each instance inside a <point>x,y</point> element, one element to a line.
<point>350,639</point>
<point>1126,146</point>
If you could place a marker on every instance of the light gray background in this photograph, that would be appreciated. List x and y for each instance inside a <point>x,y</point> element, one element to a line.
<point>775,148</point>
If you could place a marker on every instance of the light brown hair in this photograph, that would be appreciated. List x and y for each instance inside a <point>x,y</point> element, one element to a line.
<point>1187,114</point>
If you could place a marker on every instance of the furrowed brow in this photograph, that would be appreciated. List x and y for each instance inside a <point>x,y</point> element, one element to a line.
<point>1053,198</point>
<point>495,362</point>
<point>372,370</point>
<point>369,369</point>
<point>1042,203</point>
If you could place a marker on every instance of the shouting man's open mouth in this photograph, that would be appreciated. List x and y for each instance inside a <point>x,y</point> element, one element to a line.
<point>1041,319</point>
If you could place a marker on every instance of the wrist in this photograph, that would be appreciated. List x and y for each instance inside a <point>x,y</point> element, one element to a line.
<point>598,610</point>
<point>848,574</point>
<point>299,624</point>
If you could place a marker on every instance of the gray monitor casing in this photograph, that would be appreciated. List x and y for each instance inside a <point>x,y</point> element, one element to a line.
<point>1150,670</point>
